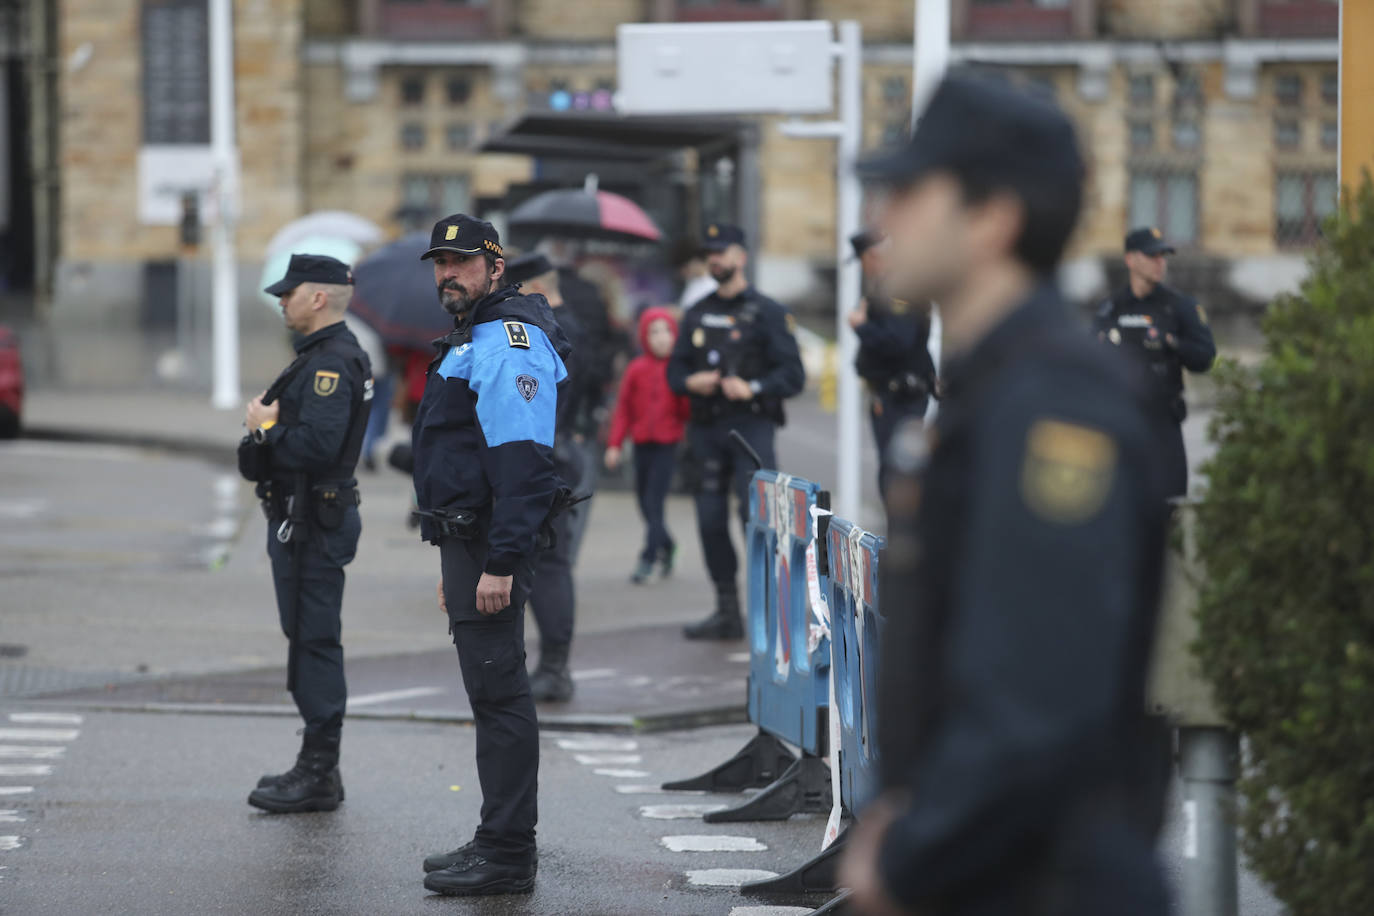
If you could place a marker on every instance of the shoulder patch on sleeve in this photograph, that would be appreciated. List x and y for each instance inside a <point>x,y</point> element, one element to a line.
<point>1201,313</point>
<point>517,335</point>
<point>791,323</point>
<point>1067,472</point>
<point>528,386</point>
<point>326,382</point>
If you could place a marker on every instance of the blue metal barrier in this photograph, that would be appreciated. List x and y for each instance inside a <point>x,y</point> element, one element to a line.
<point>856,632</point>
<point>788,684</point>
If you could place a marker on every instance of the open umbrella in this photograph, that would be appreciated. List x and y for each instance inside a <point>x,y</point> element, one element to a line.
<point>586,214</point>
<point>333,224</point>
<point>394,292</point>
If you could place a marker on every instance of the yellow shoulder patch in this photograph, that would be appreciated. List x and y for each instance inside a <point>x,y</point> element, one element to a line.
<point>517,335</point>
<point>791,324</point>
<point>1068,471</point>
<point>1201,313</point>
<point>326,383</point>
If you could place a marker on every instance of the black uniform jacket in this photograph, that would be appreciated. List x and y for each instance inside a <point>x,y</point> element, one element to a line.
<point>1020,587</point>
<point>1144,326</point>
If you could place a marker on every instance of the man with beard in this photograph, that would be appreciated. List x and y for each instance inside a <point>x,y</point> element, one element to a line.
<point>1025,540</point>
<point>737,361</point>
<point>487,488</point>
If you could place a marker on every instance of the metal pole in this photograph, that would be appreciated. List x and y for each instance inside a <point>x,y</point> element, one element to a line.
<point>224,322</point>
<point>849,205</point>
<point>929,62</point>
<point>1208,764</point>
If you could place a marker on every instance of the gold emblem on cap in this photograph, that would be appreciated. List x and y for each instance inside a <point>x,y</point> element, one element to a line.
<point>713,231</point>
<point>451,234</point>
<point>1156,233</point>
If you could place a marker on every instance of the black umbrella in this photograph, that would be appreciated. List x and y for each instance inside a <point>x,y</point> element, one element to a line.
<point>394,292</point>
<point>584,214</point>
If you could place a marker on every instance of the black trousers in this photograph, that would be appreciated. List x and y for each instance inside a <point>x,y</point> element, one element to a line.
<point>887,415</point>
<point>491,654</point>
<point>654,465</point>
<point>552,596</point>
<point>316,596</point>
<point>1175,458</point>
<point>723,467</point>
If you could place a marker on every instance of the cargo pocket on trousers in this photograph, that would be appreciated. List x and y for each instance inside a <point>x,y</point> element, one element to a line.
<point>495,675</point>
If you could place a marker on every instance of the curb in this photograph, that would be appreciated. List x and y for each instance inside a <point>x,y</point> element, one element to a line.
<point>641,723</point>
<point>215,453</point>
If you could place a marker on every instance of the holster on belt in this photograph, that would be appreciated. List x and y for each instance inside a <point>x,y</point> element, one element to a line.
<point>465,524</point>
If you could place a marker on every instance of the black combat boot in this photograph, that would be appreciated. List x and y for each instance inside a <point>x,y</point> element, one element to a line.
<point>551,681</point>
<point>725,623</point>
<point>271,780</point>
<point>441,860</point>
<point>313,784</point>
<point>474,875</point>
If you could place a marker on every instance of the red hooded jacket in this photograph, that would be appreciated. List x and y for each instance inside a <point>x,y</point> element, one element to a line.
<point>646,409</point>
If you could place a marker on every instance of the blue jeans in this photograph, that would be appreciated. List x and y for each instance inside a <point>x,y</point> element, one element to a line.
<point>654,465</point>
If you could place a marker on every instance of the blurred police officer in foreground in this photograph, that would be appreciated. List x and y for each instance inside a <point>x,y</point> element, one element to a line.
<point>486,486</point>
<point>894,350</point>
<point>1165,332</point>
<point>1025,541</point>
<point>305,433</point>
<point>737,360</point>
<point>552,597</point>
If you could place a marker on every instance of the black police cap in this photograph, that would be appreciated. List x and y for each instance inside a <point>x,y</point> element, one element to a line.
<point>1149,241</point>
<point>985,130</point>
<point>720,236</point>
<point>527,267</point>
<point>463,234</point>
<point>861,242</point>
<point>311,268</point>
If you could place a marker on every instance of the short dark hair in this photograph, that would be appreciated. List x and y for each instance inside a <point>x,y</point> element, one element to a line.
<point>1051,215</point>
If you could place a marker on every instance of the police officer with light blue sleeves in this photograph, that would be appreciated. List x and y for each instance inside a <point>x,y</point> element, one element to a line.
<point>487,488</point>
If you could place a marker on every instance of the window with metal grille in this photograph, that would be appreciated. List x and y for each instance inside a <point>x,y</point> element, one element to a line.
<point>427,197</point>
<point>1142,136</point>
<point>412,136</point>
<point>459,89</point>
<point>1302,201</point>
<point>1142,89</point>
<point>1288,89</point>
<point>1187,136</point>
<point>458,137</point>
<point>1331,138</point>
<point>1287,133</point>
<point>412,89</point>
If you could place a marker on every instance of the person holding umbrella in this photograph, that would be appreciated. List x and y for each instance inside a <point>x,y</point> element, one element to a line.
<point>487,489</point>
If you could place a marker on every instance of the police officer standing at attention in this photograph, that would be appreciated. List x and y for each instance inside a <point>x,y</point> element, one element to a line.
<point>487,487</point>
<point>553,596</point>
<point>1026,537</point>
<point>894,350</point>
<point>305,434</point>
<point>737,360</point>
<point>1166,332</point>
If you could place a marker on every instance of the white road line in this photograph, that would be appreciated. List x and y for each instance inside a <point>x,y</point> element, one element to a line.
<point>593,760</point>
<point>388,696</point>
<point>708,843</point>
<point>728,877</point>
<point>738,657</point>
<point>622,774</point>
<point>35,752</point>
<point>677,812</point>
<point>770,911</point>
<point>593,674</point>
<point>39,734</point>
<point>8,843</point>
<point>45,718</point>
<point>598,744</point>
<point>11,816</point>
<point>15,790</point>
<point>649,790</point>
<point>25,769</point>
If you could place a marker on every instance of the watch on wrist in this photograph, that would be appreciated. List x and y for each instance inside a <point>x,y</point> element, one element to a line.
<point>756,387</point>
<point>259,435</point>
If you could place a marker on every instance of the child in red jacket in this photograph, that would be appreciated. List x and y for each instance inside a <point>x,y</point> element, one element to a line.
<point>649,413</point>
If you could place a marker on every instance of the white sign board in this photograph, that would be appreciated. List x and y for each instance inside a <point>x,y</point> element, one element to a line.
<point>726,68</point>
<point>167,172</point>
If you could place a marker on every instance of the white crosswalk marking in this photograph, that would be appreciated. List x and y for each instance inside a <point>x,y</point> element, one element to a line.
<point>622,774</point>
<point>39,734</point>
<point>728,877</point>
<point>391,696</point>
<point>636,789</point>
<point>10,842</point>
<point>11,816</point>
<point>33,752</point>
<point>712,843</point>
<point>592,760</point>
<point>770,911</point>
<point>598,744</point>
<point>677,812</point>
<point>15,790</point>
<point>25,769</point>
<point>593,674</point>
<point>45,718</point>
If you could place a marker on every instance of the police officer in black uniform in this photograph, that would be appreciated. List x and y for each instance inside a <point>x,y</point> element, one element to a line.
<point>553,596</point>
<point>894,350</point>
<point>1165,332</point>
<point>737,360</point>
<point>487,488</point>
<point>305,435</point>
<point>1022,568</point>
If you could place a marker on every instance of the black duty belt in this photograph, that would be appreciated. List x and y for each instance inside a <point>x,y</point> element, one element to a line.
<point>453,523</point>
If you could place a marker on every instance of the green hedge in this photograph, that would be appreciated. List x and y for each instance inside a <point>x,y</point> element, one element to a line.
<point>1286,535</point>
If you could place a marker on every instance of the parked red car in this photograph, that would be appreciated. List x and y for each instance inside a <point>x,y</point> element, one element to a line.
<point>11,384</point>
